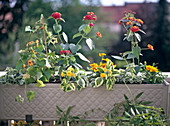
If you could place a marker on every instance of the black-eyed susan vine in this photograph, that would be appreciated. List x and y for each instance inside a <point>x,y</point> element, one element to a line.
<point>103,73</point>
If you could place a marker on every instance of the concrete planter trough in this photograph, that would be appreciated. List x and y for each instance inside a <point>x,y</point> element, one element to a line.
<point>97,102</point>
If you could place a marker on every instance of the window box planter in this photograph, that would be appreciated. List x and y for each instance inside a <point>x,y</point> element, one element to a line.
<point>94,101</point>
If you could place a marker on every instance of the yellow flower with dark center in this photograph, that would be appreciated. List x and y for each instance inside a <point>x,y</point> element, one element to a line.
<point>62,74</point>
<point>94,65</point>
<point>104,65</point>
<point>95,70</point>
<point>151,68</point>
<point>30,63</point>
<point>102,54</point>
<point>103,75</point>
<point>69,73</point>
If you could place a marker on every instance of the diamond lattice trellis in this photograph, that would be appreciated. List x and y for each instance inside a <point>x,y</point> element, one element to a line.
<point>96,102</point>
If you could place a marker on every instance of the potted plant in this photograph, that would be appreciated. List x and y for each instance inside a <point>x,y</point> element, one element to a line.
<point>40,67</point>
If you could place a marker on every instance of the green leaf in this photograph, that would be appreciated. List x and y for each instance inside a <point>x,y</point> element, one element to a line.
<point>117,57</point>
<point>87,29</point>
<point>130,56</point>
<point>39,84</point>
<point>39,75</point>
<point>136,51</point>
<point>132,111</point>
<point>137,69</point>
<point>81,28</point>
<point>142,31</point>
<point>47,73</point>
<point>129,34</point>
<point>98,81</point>
<point>90,43</point>
<point>59,114</point>
<point>41,62</point>
<point>65,36</point>
<point>28,28</point>
<point>127,114</point>
<point>100,69</point>
<point>32,71</point>
<point>77,35</point>
<point>30,95</point>
<point>72,86</point>
<point>72,58</point>
<point>138,37</point>
<point>59,108</point>
<point>81,82</point>
<point>126,98</point>
<point>82,57</point>
<point>74,48</point>
<point>16,98</point>
<point>65,46</point>
<point>109,84</point>
<point>69,109</point>
<point>57,28</point>
<point>19,65</point>
<point>146,102</point>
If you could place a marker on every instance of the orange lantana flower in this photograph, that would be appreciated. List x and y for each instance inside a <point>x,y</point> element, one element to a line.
<point>99,34</point>
<point>150,47</point>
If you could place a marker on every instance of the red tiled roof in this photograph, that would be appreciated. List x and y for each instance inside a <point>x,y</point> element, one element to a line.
<point>115,13</point>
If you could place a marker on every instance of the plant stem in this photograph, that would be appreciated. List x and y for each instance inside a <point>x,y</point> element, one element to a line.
<point>44,36</point>
<point>58,33</point>
<point>130,94</point>
<point>80,40</point>
<point>124,26</point>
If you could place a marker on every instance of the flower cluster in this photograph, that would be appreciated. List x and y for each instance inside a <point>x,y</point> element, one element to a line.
<point>103,73</point>
<point>23,123</point>
<point>56,15</point>
<point>66,52</point>
<point>151,68</point>
<point>90,16</point>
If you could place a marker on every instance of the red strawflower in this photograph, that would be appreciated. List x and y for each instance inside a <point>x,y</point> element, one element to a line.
<point>62,52</point>
<point>94,17</point>
<point>56,15</point>
<point>88,17</point>
<point>135,29</point>
<point>65,52</point>
<point>91,24</point>
<point>124,12</point>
